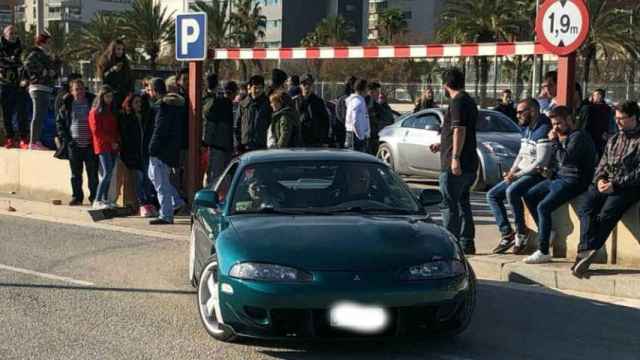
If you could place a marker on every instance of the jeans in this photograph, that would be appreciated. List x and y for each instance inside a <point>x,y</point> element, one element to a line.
<point>513,193</point>
<point>218,162</point>
<point>80,158</point>
<point>167,194</point>
<point>12,102</point>
<point>543,199</point>
<point>456,206</point>
<point>107,163</point>
<point>599,213</point>
<point>40,112</point>
<point>352,142</point>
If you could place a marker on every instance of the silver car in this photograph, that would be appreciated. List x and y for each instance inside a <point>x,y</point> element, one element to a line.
<point>404,146</point>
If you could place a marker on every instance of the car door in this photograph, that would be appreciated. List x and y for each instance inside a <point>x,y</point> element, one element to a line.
<point>424,131</point>
<point>208,223</point>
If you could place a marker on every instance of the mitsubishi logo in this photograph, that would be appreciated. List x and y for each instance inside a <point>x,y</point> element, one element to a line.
<point>356,278</point>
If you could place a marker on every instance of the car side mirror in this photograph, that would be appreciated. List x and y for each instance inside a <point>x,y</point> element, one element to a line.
<point>206,199</point>
<point>430,197</point>
<point>432,127</point>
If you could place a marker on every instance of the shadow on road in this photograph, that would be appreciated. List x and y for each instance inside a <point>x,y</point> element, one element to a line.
<point>95,288</point>
<point>509,323</point>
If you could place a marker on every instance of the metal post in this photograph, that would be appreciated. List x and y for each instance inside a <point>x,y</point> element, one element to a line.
<point>194,178</point>
<point>566,80</point>
<point>39,16</point>
<point>534,76</point>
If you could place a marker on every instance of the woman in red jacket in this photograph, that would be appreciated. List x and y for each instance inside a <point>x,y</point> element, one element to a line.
<point>106,142</point>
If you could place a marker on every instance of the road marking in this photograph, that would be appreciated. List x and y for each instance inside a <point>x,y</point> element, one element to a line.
<point>45,275</point>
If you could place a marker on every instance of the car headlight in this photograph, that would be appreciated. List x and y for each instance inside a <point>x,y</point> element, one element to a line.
<point>498,149</point>
<point>434,270</point>
<point>268,272</point>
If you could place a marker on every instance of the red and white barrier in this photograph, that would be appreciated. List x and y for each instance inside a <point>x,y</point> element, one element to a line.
<point>382,52</point>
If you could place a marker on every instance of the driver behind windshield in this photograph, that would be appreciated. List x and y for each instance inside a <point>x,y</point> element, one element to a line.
<point>261,191</point>
<point>357,185</point>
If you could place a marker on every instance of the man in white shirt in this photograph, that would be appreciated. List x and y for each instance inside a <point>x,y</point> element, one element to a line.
<point>357,119</point>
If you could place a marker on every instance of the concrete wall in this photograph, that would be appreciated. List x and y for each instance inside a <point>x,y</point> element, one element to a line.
<point>622,246</point>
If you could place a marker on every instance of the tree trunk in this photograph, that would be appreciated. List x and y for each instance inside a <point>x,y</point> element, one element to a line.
<point>243,70</point>
<point>587,72</point>
<point>484,77</point>
<point>476,66</point>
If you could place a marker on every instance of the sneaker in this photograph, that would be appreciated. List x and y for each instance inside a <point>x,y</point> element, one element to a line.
<point>99,205</point>
<point>75,202</point>
<point>38,146</point>
<point>505,244</point>
<point>10,144</point>
<point>111,205</point>
<point>160,222</point>
<point>583,265</point>
<point>538,258</point>
<point>521,243</point>
<point>469,249</point>
<point>148,211</point>
<point>24,144</point>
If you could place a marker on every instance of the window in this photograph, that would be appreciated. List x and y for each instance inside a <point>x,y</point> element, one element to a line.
<point>427,120</point>
<point>495,122</point>
<point>408,15</point>
<point>224,183</point>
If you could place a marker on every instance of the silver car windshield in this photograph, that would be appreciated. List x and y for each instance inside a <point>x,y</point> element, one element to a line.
<point>322,187</point>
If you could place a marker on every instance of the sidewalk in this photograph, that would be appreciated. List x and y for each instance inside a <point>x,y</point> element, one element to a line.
<point>608,280</point>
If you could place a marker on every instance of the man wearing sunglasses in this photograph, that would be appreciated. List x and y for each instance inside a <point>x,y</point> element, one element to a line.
<point>535,153</point>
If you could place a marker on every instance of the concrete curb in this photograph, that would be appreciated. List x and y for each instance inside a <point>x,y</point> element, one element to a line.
<point>73,216</point>
<point>604,279</point>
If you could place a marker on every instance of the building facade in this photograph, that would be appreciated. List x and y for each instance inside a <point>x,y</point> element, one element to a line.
<point>421,15</point>
<point>70,13</point>
<point>7,8</point>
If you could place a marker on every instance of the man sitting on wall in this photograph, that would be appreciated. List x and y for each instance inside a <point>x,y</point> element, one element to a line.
<point>615,189</point>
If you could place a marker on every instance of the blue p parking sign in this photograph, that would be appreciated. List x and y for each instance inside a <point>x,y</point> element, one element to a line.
<point>191,36</point>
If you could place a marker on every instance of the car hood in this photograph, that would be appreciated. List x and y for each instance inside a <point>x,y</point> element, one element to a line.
<point>508,140</point>
<point>336,243</point>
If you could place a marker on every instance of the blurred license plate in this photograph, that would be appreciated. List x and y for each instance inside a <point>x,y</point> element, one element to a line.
<point>358,318</point>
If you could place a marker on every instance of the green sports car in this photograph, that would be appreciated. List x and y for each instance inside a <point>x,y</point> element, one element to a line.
<point>323,243</point>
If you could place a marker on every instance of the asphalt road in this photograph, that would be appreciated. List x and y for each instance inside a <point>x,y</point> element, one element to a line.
<point>68,292</point>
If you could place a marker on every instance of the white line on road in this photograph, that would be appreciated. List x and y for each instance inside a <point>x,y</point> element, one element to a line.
<point>45,275</point>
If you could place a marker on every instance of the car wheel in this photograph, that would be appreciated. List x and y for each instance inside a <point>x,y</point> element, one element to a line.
<point>384,154</point>
<point>480,184</point>
<point>209,303</point>
<point>192,258</point>
<point>461,320</point>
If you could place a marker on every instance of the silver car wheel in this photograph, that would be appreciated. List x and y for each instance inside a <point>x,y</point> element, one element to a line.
<point>384,154</point>
<point>209,299</point>
<point>192,257</point>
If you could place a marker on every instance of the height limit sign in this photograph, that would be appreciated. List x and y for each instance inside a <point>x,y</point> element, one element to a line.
<point>562,26</point>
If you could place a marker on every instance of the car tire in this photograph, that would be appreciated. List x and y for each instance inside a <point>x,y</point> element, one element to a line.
<point>480,184</point>
<point>462,318</point>
<point>385,154</point>
<point>192,258</point>
<point>209,303</point>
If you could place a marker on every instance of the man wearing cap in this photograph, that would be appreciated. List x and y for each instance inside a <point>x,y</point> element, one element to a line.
<point>10,99</point>
<point>314,117</point>
<point>218,127</point>
<point>164,147</point>
<point>253,119</point>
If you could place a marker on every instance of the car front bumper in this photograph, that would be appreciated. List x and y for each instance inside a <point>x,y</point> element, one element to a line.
<point>277,311</point>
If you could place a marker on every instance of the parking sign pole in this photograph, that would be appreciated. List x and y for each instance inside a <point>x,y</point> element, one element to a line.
<point>194,176</point>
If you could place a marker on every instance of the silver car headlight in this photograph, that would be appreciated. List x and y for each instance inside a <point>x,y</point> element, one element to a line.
<point>497,149</point>
<point>268,272</point>
<point>434,270</point>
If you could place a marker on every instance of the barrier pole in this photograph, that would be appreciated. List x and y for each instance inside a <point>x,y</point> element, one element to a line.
<point>194,180</point>
<point>566,80</point>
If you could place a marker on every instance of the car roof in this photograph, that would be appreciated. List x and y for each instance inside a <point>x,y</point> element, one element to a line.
<point>302,154</point>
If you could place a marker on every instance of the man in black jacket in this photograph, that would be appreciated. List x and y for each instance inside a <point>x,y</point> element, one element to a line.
<point>376,113</point>
<point>339,129</point>
<point>72,125</point>
<point>571,171</point>
<point>314,117</point>
<point>218,128</point>
<point>253,119</point>
<point>11,95</point>
<point>506,105</point>
<point>164,148</point>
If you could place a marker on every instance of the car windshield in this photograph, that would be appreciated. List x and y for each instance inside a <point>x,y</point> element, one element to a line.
<point>312,187</point>
<point>495,122</point>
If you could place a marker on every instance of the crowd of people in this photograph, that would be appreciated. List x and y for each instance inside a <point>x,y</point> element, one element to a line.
<point>589,152</point>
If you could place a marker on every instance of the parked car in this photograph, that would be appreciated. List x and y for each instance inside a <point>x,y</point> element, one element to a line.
<point>404,146</point>
<point>324,243</point>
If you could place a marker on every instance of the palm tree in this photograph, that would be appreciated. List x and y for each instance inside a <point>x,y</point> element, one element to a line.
<point>392,23</point>
<point>331,31</point>
<point>482,21</point>
<point>248,26</point>
<point>610,36</point>
<point>95,36</point>
<point>218,23</point>
<point>149,25</point>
